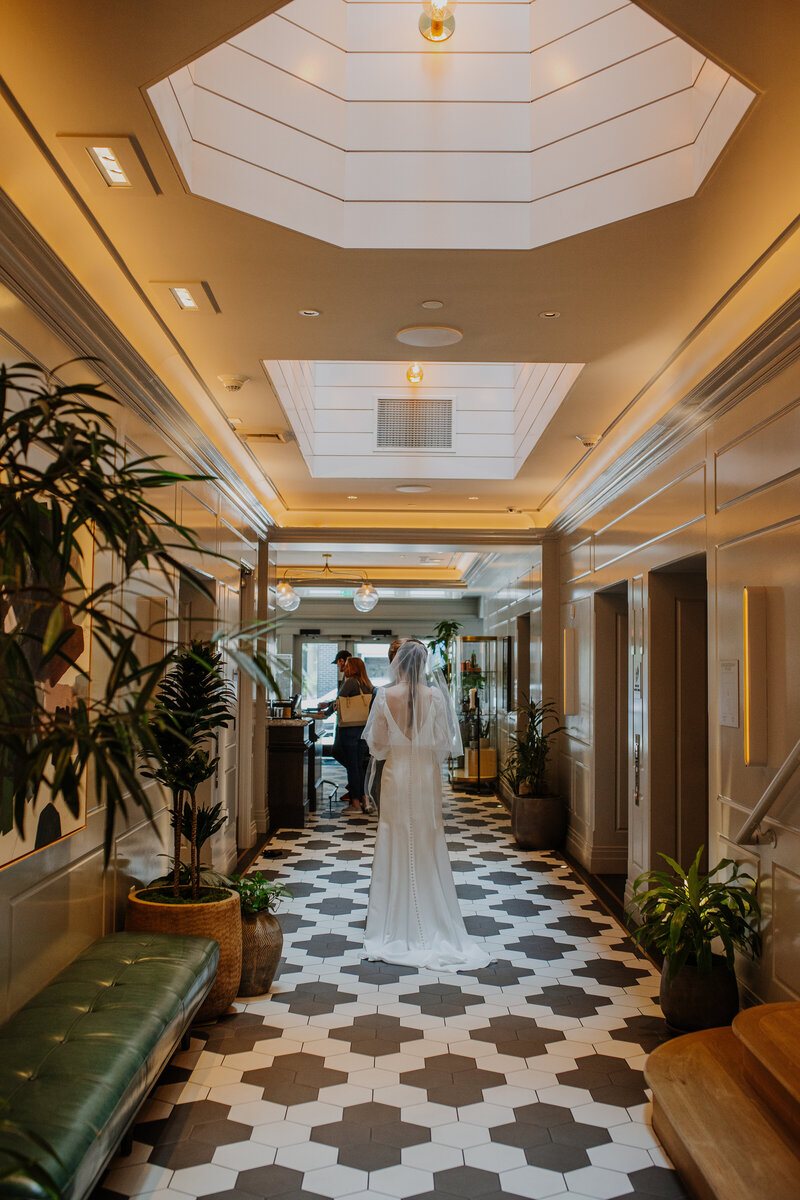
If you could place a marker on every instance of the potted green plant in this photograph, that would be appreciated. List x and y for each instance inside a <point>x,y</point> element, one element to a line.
<point>71,495</point>
<point>538,818</point>
<point>194,702</point>
<point>683,914</point>
<point>441,644</point>
<point>262,936</point>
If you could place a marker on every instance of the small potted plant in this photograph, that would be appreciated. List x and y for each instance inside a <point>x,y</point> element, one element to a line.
<point>683,914</point>
<point>262,936</point>
<point>538,819</point>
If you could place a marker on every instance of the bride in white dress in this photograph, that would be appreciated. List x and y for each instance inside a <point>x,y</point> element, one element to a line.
<point>413,917</point>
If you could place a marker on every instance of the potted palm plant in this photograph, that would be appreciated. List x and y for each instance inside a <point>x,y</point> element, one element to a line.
<point>684,914</point>
<point>71,494</point>
<point>262,936</point>
<point>441,644</point>
<point>194,702</point>
<point>538,819</point>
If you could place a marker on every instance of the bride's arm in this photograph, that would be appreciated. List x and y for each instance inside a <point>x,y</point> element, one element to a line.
<point>376,730</point>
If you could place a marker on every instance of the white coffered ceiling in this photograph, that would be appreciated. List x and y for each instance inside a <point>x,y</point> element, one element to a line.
<point>536,121</point>
<point>652,291</point>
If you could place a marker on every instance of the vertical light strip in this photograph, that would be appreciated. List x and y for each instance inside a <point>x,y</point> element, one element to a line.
<point>570,670</point>
<point>754,622</point>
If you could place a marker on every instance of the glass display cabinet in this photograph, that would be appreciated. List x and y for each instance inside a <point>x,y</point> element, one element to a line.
<point>474,682</point>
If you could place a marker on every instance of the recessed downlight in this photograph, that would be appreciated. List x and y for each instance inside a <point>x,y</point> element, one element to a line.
<point>309,312</point>
<point>432,304</point>
<point>412,489</point>
<point>473,497</point>
<point>352,497</point>
<point>549,314</point>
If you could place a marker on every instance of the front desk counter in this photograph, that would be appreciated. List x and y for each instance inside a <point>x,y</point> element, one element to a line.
<point>293,771</point>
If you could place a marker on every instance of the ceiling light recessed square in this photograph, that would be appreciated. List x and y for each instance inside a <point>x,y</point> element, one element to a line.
<point>109,163</point>
<point>190,295</point>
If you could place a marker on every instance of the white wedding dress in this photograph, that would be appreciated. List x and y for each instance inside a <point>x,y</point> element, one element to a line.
<point>413,917</point>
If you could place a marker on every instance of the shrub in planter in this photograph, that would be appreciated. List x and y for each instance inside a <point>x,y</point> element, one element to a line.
<point>262,936</point>
<point>683,914</point>
<point>538,819</point>
<point>193,703</point>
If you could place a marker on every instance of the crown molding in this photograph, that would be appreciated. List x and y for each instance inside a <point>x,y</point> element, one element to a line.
<point>768,351</point>
<point>484,538</point>
<point>32,271</point>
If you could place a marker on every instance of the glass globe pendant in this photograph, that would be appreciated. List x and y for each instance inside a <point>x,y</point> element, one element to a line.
<point>365,598</point>
<point>286,597</point>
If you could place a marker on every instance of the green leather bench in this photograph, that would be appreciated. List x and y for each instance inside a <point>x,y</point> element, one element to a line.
<point>78,1060</point>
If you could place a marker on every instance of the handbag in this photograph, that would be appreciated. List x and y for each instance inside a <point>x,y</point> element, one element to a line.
<point>354,710</point>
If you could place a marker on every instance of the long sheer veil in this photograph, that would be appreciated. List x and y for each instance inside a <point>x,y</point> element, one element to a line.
<point>414,709</point>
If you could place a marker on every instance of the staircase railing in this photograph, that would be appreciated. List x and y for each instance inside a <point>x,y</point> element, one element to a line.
<point>771,793</point>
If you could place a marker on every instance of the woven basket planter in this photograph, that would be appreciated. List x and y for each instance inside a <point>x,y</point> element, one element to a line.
<point>262,945</point>
<point>220,920</point>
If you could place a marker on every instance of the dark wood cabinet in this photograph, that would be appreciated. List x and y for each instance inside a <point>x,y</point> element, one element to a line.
<point>288,774</point>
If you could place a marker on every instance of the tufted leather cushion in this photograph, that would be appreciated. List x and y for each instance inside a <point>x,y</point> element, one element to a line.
<point>79,1058</point>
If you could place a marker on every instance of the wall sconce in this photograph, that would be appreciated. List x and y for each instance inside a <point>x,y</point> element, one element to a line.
<point>414,373</point>
<point>754,614</point>
<point>437,21</point>
<point>570,670</point>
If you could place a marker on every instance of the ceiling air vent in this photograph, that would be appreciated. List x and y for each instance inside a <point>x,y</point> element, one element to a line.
<point>415,424</point>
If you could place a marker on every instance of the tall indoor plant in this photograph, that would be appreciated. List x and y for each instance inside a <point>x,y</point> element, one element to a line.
<point>193,704</point>
<point>538,819</point>
<point>683,914</point>
<point>70,494</point>
<point>441,644</point>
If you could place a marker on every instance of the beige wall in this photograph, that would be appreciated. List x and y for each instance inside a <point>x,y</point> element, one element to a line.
<point>732,493</point>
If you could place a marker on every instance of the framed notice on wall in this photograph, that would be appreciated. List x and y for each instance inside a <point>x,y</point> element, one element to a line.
<point>728,693</point>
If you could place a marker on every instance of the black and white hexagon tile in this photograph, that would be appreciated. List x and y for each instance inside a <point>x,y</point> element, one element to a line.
<point>358,1080</point>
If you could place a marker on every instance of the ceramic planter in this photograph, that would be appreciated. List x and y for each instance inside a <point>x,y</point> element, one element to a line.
<point>220,920</point>
<point>539,822</point>
<point>262,946</point>
<point>692,1001</point>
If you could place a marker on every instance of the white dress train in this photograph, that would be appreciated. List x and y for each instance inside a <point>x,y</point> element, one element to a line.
<point>413,917</point>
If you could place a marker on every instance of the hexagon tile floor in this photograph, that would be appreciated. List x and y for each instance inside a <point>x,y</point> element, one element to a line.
<point>361,1080</point>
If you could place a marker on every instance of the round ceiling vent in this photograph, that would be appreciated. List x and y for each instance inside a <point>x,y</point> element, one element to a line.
<point>429,335</point>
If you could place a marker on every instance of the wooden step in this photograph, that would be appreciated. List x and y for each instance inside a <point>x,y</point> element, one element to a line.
<point>770,1035</point>
<point>717,1132</point>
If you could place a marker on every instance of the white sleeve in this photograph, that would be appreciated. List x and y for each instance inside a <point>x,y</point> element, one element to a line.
<point>376,731</point>
<point>443,741</point>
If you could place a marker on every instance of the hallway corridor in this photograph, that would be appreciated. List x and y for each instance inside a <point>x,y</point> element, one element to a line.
<point>359,1079</point>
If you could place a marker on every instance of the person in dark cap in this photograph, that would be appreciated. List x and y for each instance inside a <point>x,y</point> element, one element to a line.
<point>341,659</point>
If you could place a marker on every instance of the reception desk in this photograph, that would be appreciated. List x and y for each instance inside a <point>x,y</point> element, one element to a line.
<point>292,773</point>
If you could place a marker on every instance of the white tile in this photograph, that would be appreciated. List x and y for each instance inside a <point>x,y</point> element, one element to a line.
<point>428,1114</point>
<point>400,1182</point>
<point>308,1156</point>
<point>565,1097</point>
<point>432,1156</point>
<point>241,1156</point>
<point>460,1134</point>
<point>487,1115</point>
<point>634,1133</point>
<point>532,1182</point>
<point>260,1112</point>
<point>181,1093</point>
<point>204,1180</point>
<point>281,1133</point>
<point>334,1181</point>
<point>315,1113</point>
<point>374,1077</point>
<point>142,1177</point>
<point>345,1094</point>
<point>494,1156</point>
<point>598,1182</point>
<point>402,1096</point>
<point>619,1158</point>
<point>236,1093</point>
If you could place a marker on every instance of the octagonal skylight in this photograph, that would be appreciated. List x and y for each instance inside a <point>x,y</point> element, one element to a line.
<point>535,121</point>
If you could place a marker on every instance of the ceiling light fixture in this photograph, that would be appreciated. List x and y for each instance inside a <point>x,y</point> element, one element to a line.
<point>429,335</point>
<point>414,373</point>
<point>184,299</point>
<point>431,304</point>
<point>364,599</point>
<point>233,383</point>
<point>309,312</point>
<point>109,166</point>
<point>412,488</point>
<point>437,22</point>
<point>549,314</point>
